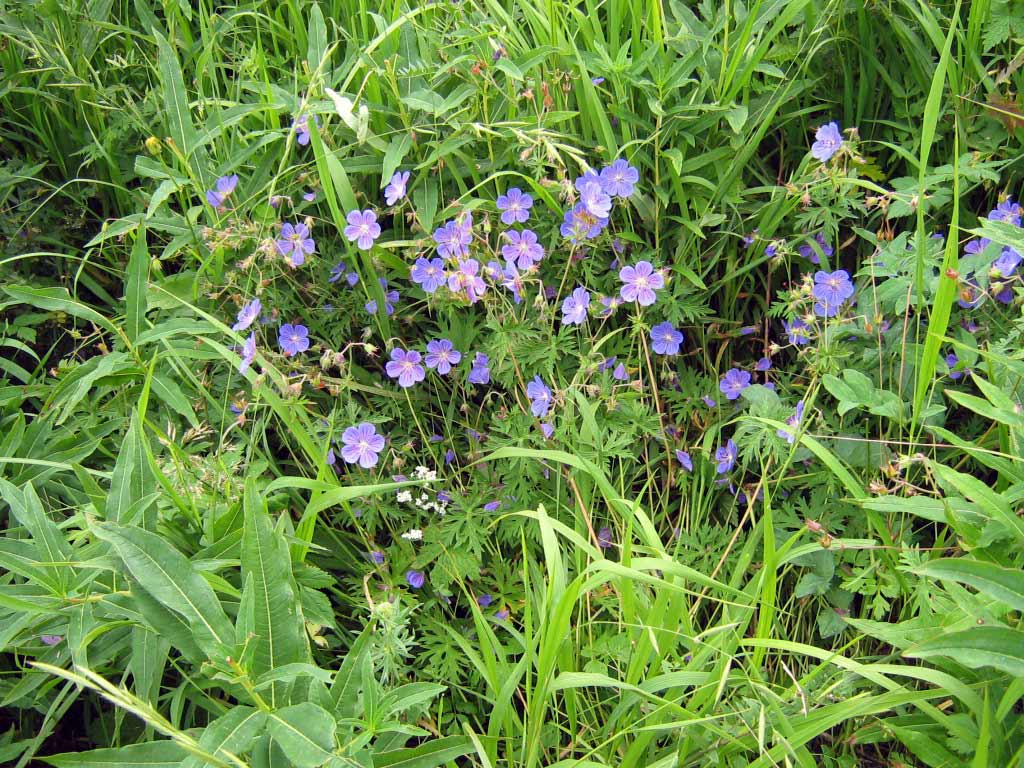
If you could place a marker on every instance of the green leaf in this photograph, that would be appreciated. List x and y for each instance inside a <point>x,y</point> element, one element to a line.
<point>1004,584</point>
<point>433,753</point>
<point>279,634</point>
<point>152,754</point>
<point>345,688</point>
<point>136,280</point>
<point>984,646</point>
<point>405,697</point>
<point>990,502</point>
<point>57,300</point>
<point>396,152</point>
<point>170,577</point>
<point>53,548</point>
<point>131,482</point>
<point>317,35</point>
<point>230,734</point>
<point>305,732</point>
<point>176,110</point>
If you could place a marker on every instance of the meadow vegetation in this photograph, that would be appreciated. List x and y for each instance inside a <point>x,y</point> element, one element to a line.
<point>564,383</point>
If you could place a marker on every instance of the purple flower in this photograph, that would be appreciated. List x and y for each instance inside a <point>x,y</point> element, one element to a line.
<point>361,444</point>
<point>574,308</point>
<point>831,289</point>
<point>362,228</point>
<point>390,299</point>
<point>515,206</point>
<point>295,243</point>
<point>620,373</point>
<point>764,364</point>
<point>293,339</point>
<point>597,80</point>
<point>466,278</point>
<point>619,178</point>
<point>772,248</point>
<point>414,579</point>
<point>442,355</point>
<point>540,397</point>
<point>453,240</point>
<point>405,366</point>
<point>247,315</point>
<point>50,639</point>
<point>726,457</point>
<point>396,188</point>
<point>547,429</point>
<point>827,142</point>
<point>492,506</point>
<point>310,196</point>
<point>429,274</point>
<point>1007,211</point>
<point>955,372</point>
<point>733,383</point>
<point>683,457</point>
<point>248,353</point>
<point>579,224</point>
<point>792,421</point>
<point>339,270</point>
<point>665,339</point>
<point>522,249</point>
<point>512,280</point>
<point>640,282</point>
<point>1007,263</point>
<point>797,331</point>
<point>595,200</point>
<point>222,190</point>
<point>376,556</point>
<point>709,402</point>
<point>480,373</point>
<point>502,614</point>
<point>484,600</point>
<point>604,537</point>
<point>807,251</point>
<point>971,294</point>
<point>301,127</point>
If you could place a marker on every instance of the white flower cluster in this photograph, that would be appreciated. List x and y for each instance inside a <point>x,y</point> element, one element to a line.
<point>423,473</point>
<point>413,534</point>
<point>423,501</point>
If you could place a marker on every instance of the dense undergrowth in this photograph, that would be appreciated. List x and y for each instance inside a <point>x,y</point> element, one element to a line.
<point>511,383</point>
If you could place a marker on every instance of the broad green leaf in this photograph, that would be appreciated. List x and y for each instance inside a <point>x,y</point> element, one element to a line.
<point>407,696</point>
<point>53,548</point>
<point>979,646</point>
<point>990,502</point>
<point>305,732</point>
<point>147,662</point>
<point>135,282</point>
<point>433,753</point>
<point>57,300</point>
<point>345,688</point>
<point>1004,584</point>
<point>172,579</point>
<point>317,37</point>
<point>131,483</point>
<point>396,152</point>
<point>230,734</point>
<point>279,634</point>
<point>152,754</point>
<point>176,110</point>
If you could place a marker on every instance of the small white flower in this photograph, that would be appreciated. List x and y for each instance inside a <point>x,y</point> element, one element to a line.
<point>403,496</point>
<point>414,534</point>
